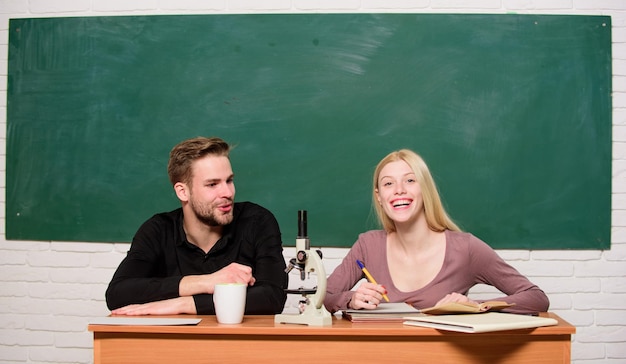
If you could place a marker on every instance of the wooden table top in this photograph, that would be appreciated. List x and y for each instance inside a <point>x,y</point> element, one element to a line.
<point>265,325</point>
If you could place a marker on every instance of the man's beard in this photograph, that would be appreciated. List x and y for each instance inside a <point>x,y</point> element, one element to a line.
<point>206,214</point>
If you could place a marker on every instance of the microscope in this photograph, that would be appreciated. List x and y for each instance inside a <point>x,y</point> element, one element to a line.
<point>307,261</point>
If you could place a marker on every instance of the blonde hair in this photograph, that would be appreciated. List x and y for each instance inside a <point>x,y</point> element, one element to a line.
<point>436,216</point>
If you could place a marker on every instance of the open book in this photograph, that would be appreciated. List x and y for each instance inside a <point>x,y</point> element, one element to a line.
<point>490,321</point>
<point>385,312</point>
<point>466,307</point>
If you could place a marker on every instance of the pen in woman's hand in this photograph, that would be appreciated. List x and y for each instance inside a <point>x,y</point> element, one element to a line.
<point>369,276</point>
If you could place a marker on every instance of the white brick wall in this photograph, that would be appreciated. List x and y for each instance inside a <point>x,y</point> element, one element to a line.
<point>49,291</point>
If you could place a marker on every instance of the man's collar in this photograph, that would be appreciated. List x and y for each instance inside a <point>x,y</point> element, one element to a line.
<point>227,233</point>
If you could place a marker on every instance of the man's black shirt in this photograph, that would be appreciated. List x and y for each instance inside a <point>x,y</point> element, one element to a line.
<point>160,255</point>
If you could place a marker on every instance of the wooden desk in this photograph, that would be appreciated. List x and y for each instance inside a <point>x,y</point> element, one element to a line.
<point>259,340</point>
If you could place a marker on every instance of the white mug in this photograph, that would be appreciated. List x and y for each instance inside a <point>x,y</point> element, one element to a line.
<point>230,302</point>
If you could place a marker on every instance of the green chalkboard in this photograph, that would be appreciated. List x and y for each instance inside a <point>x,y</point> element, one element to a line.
<point>512,113</point>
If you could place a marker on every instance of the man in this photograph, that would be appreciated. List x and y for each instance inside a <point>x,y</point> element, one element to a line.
<point>176,258</point>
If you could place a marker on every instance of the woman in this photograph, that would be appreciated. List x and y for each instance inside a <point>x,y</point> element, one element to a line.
<point>421,256</point>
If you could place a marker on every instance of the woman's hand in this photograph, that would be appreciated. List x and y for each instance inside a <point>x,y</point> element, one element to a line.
<point>455,297</point>
<point>367,296</point>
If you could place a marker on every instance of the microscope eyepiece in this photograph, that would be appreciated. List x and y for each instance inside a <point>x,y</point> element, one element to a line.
<point>302,233</point>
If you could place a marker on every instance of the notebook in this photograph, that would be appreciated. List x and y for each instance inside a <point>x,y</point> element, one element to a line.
<point>385,312</point>
<point>485,322</point>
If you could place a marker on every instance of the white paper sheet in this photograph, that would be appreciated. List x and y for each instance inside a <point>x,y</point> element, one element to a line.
<point>144,321</point>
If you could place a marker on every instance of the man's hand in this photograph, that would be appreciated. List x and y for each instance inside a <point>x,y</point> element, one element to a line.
<point>172,306</point>
<point>199,284</point>
<point>233,273</point>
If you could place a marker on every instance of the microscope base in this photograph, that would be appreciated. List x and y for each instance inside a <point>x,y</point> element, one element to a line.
<point>320,317</point>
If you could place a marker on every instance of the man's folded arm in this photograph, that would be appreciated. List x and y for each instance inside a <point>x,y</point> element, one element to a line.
<point>128,291</point>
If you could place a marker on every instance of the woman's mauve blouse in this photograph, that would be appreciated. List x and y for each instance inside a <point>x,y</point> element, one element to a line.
<point>468,261</point>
